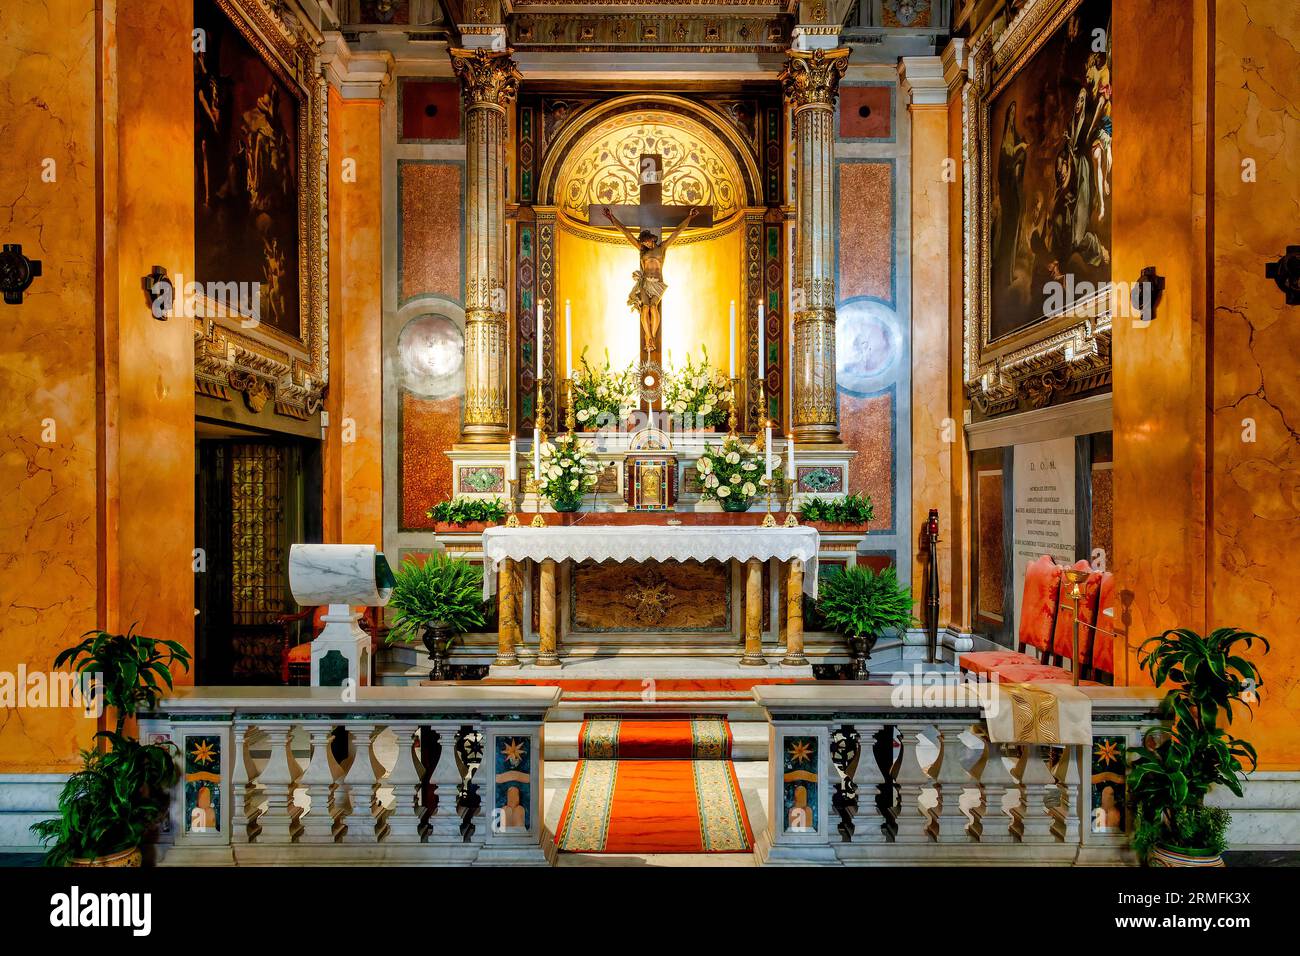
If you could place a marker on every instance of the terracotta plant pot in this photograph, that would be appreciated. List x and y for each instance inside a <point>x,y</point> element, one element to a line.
<point>131,857</point>
<point>1179,857</point>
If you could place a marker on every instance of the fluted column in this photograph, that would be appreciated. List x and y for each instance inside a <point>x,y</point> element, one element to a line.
<point>489,80</point>
<point>810,82</point>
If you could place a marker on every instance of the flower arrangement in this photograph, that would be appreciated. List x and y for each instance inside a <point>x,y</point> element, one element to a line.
<point>696,391</point>
<point>567,472</point>
<point>732,474</point>
<point>603,397</point>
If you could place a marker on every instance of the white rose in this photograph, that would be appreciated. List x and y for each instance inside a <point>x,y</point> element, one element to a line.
<point>735,479</point>
<point>724,491</point>
<point>583,415</point>
<point>748,490</point>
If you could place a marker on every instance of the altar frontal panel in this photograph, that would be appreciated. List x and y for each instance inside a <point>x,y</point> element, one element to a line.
<point>685,596</point>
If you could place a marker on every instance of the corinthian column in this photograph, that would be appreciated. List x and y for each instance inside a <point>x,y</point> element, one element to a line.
<point>810,81</point>
<point>489,80</point>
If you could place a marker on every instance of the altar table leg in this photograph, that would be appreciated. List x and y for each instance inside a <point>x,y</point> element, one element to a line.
<point>507,610</point>
<point>794,616</point>
<point>546,656</point>
<point>754,615</point>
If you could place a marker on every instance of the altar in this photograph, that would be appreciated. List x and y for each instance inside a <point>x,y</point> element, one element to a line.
<point>674,584</point>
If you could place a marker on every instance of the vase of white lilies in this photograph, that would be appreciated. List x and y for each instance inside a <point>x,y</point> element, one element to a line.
<point>733,474</point>
<point>697,393</point>
<point>567,472</point>
<point>603,397</point>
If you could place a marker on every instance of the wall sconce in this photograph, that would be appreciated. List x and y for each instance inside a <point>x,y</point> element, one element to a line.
<point>1285,272</point>
<point>16,272</point>
<point>158,292</point>
<point>1147,293</point>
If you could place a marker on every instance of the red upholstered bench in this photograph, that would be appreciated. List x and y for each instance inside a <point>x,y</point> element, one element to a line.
<point>1038,610</point>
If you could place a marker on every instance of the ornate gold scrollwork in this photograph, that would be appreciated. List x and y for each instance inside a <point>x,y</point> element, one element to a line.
<point>488,77</point>
<point>812,78</point>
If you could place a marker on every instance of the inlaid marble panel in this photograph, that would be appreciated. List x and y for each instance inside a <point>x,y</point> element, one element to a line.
<point>430,228</point>
<point>866,424</point>
<point>687,596</point>
<point>866,239</point>
<point>988,490</point>
<point>429,428</point>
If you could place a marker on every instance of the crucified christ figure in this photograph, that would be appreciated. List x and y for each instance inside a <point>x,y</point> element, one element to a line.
<point>647,295</point>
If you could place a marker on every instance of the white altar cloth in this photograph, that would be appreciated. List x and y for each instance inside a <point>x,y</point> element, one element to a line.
<point>650,543</point>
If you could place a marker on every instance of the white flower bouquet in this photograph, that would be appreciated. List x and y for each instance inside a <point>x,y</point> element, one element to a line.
<point>697,394</point>
<point>567,472</point>
<point>603,397</point>
<point>733,474</point>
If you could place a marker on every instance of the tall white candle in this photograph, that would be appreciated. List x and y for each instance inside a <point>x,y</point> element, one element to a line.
<point>512,466</point>
<point>732,337</point>
<point>538,341</point>
<point>789,465</point>
<point>767,450</point>
<point>537,453</point>
<point>568,341</point>
<point>762,347</point>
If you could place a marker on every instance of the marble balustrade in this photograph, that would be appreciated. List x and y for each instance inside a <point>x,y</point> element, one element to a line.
<point>393,774</point>
<point>878,775</point>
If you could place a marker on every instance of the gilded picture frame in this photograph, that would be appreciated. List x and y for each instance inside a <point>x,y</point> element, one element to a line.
<point>257,361</point>
<point>1065,351</point>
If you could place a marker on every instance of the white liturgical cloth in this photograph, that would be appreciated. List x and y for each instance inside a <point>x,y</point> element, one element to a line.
<point>650,543</point>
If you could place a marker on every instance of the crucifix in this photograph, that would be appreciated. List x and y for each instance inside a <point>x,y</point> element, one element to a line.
<point>651,215</point>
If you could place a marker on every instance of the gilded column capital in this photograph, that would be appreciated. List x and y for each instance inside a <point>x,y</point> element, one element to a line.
<point>487,77</point>
<point>812,77</point>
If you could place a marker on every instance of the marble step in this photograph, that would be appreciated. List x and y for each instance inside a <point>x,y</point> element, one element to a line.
<point>748,739</point>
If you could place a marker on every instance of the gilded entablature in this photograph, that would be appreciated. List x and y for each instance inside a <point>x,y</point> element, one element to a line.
<point>650,32</point>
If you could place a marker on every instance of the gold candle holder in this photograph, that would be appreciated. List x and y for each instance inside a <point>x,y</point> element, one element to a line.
<point>569,422</point>
<point>731,414</point>
<point>790,520</point>
<point>512,521</point>
<point>1076,577</point>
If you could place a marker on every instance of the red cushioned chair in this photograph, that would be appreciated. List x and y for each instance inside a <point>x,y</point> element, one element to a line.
<point>1063,640</point>
<point>1038,613</point>
<point>1102,660</point>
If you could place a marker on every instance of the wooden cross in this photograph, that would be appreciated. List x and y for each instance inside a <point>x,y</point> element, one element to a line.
<point>650,215</point>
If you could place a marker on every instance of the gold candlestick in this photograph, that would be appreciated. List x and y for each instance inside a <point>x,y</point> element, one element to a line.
<point>1076,577</point>
<point>569,421</point>
<point>790,520</point>
<point>731,414</point>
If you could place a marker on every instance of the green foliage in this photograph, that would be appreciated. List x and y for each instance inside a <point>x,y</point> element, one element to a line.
<point>603,397</point>
<point>1170,777</point>
<point>442,590</point>
<point>112,802</point>
<point>464,510</point>
<point>696,393</point>
<point>851,509</point>
<point>133,668</point>
<point>861,603</point>
<point>568,472</point>
<point>733,473</point>
<point>120,792</point>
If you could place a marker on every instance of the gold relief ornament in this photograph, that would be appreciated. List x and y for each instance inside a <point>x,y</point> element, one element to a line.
<point>812,78</point>
<point>488,77</point>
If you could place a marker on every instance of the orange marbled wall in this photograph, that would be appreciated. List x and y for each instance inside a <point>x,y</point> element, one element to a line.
<point>933,420</point>
<point>1255,503</point>
<point>49,567</point>
<point>353,481</point>
<point>1160,391</point>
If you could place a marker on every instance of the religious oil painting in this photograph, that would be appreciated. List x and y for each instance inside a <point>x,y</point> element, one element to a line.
<point>800,784</point>
<point>1049,244</point>
<point>202,783</point>
<point>246,115</point>
<point>1109,755</point>
<point>513,790</point>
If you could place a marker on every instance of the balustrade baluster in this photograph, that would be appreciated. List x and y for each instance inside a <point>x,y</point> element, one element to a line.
<point>445,821</point>
<point>1040,791</point>
<point>870,825</point>
<point>318,779</point>
<point>277,780</point>
<point>244,796</point>
<point>996,781</point>
<point>408,805</point>
<point>1068,803</point>
<point>951,780</point>
<point>913,821</point>
<point>359,784</point>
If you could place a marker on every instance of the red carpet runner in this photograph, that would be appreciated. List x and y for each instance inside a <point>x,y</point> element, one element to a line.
<point>654,786</point>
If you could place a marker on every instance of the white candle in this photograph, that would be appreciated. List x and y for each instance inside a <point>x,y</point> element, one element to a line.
<point>767,450</point>
<point>512,467</point>
<point>568,341</point>
<point>762,347</point>
<point>732,337</point>
<point>789,465</point>
<point>538,344</point>
<point>537,453</point>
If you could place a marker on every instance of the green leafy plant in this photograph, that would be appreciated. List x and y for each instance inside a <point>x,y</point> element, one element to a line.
<point>441,591</point>
<point>851,509</point>
<point>1171,775</point>
<point>859,602</point>
<point>697,394</point>
<point>462,511</point>
<point>123,787</point>
<point>733,473</point>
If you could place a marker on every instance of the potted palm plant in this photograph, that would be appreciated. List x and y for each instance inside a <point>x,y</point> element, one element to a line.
<point>122,790</point>
<point>434,602</point>
<point>862,605</point>
<point>1171,775</point>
